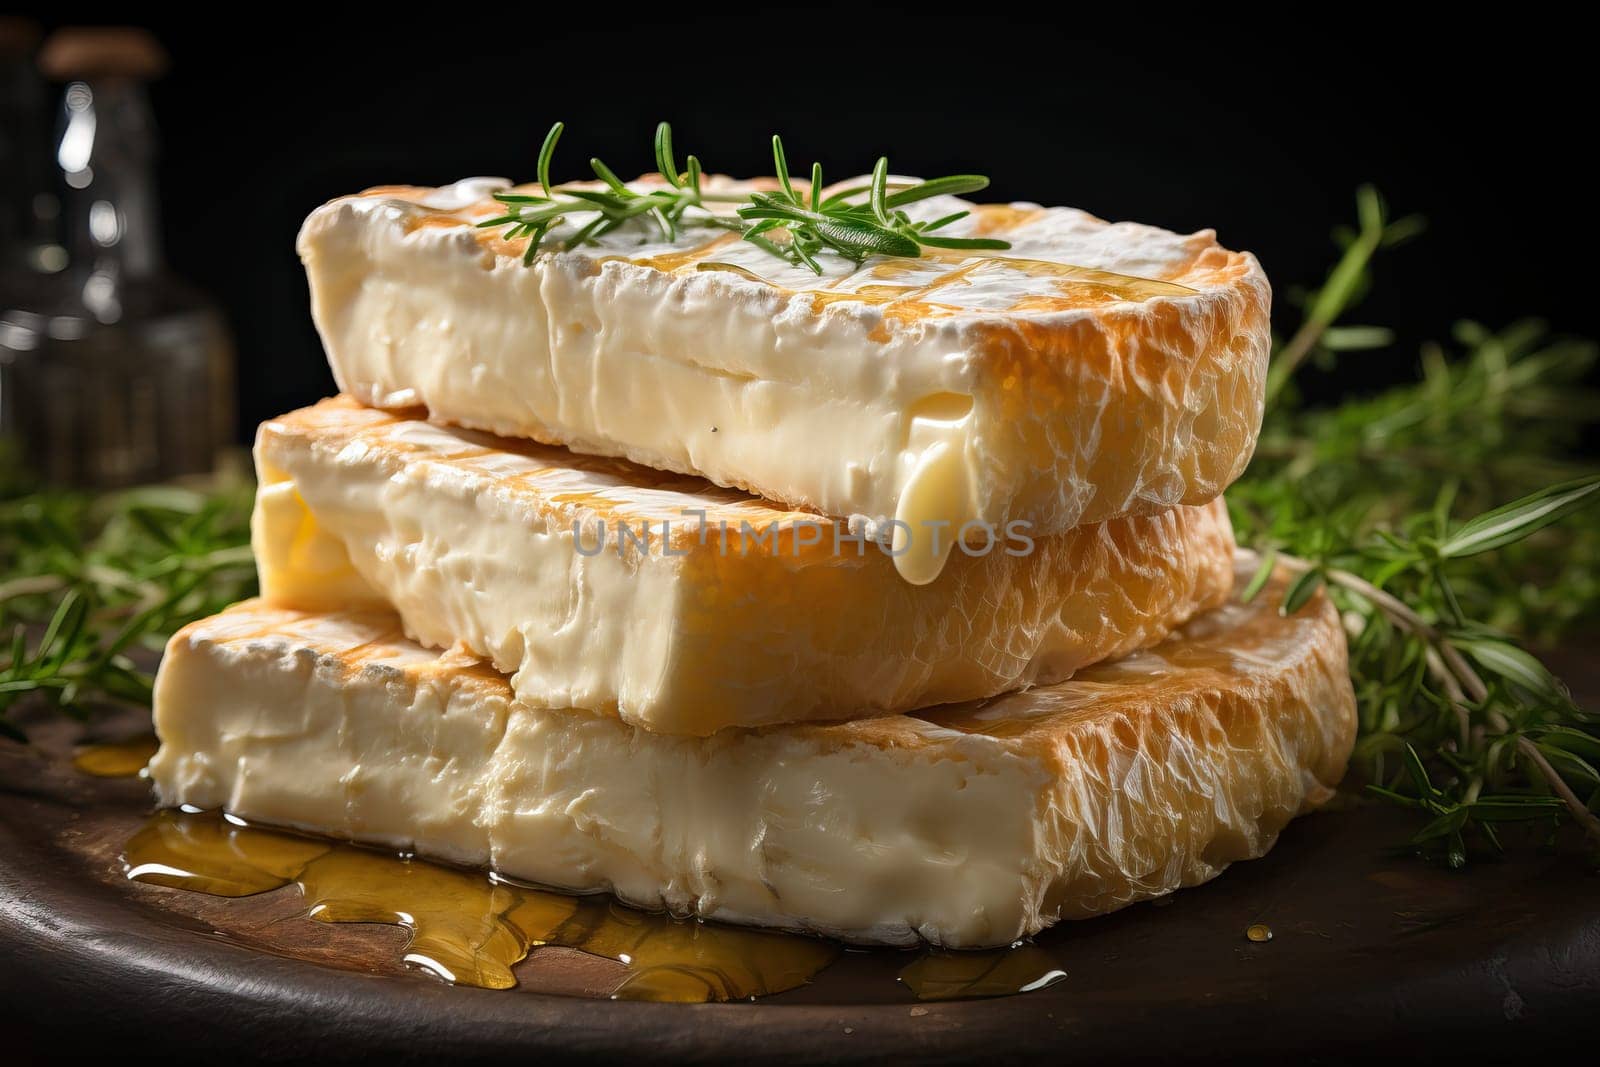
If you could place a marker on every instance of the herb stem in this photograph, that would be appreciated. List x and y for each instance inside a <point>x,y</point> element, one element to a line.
<point>31,585</point>
<point>1404,617</point>
<point>1458,678</point>
<point>1343,287</point>
<point>1580,810</point>
<point>1452,691</point>
<point>1445,663</point>
<point>1294,353</point>
<point>110,576</point>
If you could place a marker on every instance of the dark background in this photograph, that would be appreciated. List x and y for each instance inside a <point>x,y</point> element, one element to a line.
<point>1185,122</point>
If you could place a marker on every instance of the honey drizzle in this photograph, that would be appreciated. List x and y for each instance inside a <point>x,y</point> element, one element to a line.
<point>1129,286</point>
<point>991,219</point>
<point>465,927</point>
<point>433,220</point>
<point>471,929</point>
<point>1075,288</point>
<point>675,261</point>
<point>119,759</point>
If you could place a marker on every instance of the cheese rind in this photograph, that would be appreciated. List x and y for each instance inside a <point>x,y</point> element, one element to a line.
<point>966,826</point>
<point>739,613</point>
<point>1094,370</point>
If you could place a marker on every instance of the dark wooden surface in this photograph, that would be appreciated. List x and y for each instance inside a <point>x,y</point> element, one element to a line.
<point>1371,951</point>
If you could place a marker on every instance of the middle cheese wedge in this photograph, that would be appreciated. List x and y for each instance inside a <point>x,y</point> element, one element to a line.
<point>687,608</point>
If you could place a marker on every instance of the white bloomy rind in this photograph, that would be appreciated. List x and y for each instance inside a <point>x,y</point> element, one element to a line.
<point>689,623</point>
<point>967,826</point>
<point>1127,381</point>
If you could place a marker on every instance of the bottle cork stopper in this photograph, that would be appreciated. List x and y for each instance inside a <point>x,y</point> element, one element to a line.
<point>102,52</point>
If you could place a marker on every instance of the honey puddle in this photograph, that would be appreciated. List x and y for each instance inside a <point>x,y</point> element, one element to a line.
<point>471,929</point>
<point>121,759</point>
<point>1000,973</point>
<point>466,928</point>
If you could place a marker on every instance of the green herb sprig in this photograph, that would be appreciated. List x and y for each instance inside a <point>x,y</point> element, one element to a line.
<point>104,576</point>
<point>794,224</point>
<point>1457,719</point>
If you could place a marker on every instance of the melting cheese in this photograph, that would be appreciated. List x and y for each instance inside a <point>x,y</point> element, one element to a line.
<point>686,608</point>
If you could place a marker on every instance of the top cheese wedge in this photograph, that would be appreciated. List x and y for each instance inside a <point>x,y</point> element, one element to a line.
<point>1091,371</point>
<point>681,607</point>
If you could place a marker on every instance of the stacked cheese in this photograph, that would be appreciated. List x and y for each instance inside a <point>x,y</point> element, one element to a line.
<point>970,662</point>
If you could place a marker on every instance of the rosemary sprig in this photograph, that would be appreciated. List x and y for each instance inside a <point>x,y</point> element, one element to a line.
<point>104,575</point>
<point>1482,704</point>
<point>1458,720</point>
<point>795,224</point>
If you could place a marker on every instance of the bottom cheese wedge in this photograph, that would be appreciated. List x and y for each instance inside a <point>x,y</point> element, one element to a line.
<point>967,825</point>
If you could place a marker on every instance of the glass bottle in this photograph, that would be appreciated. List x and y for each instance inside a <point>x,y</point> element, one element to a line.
<point>22,141</point>
<point>115,372</point>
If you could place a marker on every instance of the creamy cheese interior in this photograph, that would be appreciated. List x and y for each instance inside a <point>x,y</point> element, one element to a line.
<point>968,826</point>
<point>1092,371</point>
<point>683,607</point>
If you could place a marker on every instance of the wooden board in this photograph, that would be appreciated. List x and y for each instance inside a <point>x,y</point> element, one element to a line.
<point>1369,948</point>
